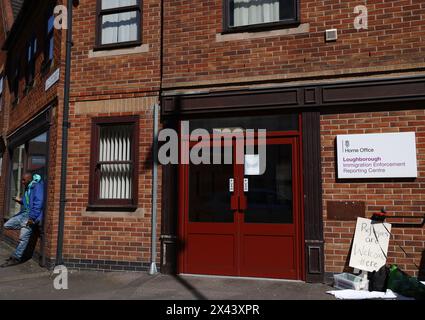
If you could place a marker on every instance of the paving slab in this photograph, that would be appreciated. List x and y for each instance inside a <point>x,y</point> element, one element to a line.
<point>30,281</point>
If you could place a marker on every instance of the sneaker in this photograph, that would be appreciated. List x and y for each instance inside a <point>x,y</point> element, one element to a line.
<point>12,261</point>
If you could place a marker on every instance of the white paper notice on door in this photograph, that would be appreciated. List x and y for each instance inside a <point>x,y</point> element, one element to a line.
<point>252,165</point>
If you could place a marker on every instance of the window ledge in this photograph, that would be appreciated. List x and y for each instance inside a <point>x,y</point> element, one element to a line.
<point>102,207</point>
<point>89,212</point>
<point>116,52</point>
<point>302,28</point>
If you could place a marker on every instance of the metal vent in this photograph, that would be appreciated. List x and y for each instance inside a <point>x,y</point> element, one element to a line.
<point>331,35</point>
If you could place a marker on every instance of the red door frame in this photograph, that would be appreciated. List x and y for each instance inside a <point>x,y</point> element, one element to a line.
<point>183,202</point>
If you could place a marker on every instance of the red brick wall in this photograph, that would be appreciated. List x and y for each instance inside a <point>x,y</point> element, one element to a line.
<point>192,53</point>
<point>37,98</point>
<point>123,75</point>
<point>31,104</point>
<point>117,237</point>
<point>114,236</point>
<point>397,196</point>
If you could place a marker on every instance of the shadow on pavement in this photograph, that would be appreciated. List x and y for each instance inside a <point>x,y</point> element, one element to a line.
<point>198,295</point>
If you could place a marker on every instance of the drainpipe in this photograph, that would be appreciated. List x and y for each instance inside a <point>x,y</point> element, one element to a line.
<point>65,127</point>
<point>153,270</point>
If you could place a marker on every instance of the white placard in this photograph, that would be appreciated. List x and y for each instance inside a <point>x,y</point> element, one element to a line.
<point>370,245</point>
<point>384,155</point>
<point>252,164</point>
<point>52,79</point>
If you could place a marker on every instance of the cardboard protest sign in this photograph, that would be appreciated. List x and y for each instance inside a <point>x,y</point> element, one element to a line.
<point>370,245</point>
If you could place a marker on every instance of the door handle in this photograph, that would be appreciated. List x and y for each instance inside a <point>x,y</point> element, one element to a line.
<point>231,185</point>
<point>245,185</point>
<point>234,202</point>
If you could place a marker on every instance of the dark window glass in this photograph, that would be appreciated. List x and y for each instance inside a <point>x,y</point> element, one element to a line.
<point>32,157</point>
<point>269,196</point>
<point>1,90</point>
<point>15,84</point>
<point>209,196</point>
<point>30,61</point>
<point>48,55</point>
<point>244,13</point>
<point>287,122</point>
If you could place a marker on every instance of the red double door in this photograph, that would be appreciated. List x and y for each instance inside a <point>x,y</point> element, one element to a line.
<point>237,222</point>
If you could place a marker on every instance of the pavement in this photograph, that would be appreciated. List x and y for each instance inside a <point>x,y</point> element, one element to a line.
<point>28,281</point>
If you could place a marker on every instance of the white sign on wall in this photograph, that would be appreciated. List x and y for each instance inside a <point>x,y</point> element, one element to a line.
<point>52,79</point>
<point>383,155</point>
<point>370,245</point>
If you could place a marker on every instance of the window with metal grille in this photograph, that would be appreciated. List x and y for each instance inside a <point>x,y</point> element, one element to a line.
<point>114,169</point>
<point>118,23</point>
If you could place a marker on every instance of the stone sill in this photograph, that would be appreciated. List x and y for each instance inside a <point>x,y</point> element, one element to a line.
<point>144,48</point>
<point>139,213</point>
<point>302,28</point>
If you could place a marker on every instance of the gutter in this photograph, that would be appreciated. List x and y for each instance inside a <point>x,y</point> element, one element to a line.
<point>65,128</point>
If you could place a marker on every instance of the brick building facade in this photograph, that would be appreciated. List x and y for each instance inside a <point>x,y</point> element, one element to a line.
<point>219,64</point>
<point>31,112</point>
<point>361,83</point>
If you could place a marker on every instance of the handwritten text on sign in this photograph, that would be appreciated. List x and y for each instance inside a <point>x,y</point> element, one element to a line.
<point>370,245</point>
<point>382,155</point>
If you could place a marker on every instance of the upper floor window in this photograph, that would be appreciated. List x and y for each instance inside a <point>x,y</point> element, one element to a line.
<point>1,90</point>
<point>259,13</point>
<point>30,62</point>
<point>50,39</point>
<point>15,83</point>
<point>118,23</point>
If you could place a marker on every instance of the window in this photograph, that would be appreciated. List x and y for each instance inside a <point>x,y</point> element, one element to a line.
<point>21,157</point>
<point>18,159</point>
<point>30,62</point>
<point>118,23</point>
<point>259,13</point>
<point>114,163</point>
<point>49,49</point>
<point>15,84</point>
<point>1,90</point>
